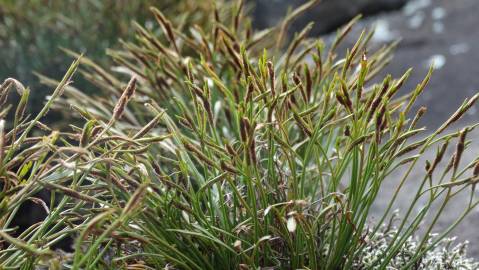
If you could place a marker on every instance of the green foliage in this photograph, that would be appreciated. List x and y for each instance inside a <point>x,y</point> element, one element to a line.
<point>32,33</point>
<point>229,149</point>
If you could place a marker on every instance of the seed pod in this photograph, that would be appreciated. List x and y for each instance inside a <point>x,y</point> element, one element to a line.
<point>216,30</point>
<point>419,89</point>
<point>449,165</point>
<point>409,159</point>
<point>232,53</point>
<point>230,150</point>
<point>246,65</point>
<point>207,104</point>
<point>199,154</point>
<point>384,122</point>
<point>340,99</point>
<point>252,150</point>
<point>237,16</point>
<point>428,166</point>
<point>5,86</point>
<point>374,104</point>
<point>358,141</point>
<point>399,83</point>
<point>271,110</point>
<point>42,126</point>
<point>437,159</point>
<point>459,149</point>
<point>299,85</point>
<point>271,77</point>
<point>405,136</point>
<point>125,97</point>
<point>410,148</point>
<point>459,113</point>
<point>475,171</point>
<point>70,192</point>
<point>284,83</point>
<point>418,116</point>
<point>198,91</point>
<point>249,91</point>
<point>298,38</point>
<point>166,26</point>
<point>95,131</point>
<point>345,94</point>
<point>302,124</point>
<point>319,66</point>
<point>99,218</point>
<point>148,127</point>
<point>228,168</point>
<point>380,122</point>
<point>245,129</point>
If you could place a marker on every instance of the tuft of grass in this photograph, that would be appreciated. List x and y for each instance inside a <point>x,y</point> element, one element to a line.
<point>237,150</point>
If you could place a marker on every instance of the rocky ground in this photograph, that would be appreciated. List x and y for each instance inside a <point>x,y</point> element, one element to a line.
<point>440,31</point>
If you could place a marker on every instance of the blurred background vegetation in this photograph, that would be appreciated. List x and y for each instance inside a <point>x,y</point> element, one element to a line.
<point>32,33</point>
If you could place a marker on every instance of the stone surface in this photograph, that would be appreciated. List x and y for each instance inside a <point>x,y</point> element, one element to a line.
<point>327,15</point>
<point>440,31</point>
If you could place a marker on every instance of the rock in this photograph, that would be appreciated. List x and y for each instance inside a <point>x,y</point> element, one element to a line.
<point>328,15</point>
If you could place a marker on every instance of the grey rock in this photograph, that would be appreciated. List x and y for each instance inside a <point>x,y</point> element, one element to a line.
<point>328,15</point>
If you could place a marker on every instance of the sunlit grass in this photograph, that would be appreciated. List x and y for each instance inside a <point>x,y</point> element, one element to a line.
<point>223,152</point>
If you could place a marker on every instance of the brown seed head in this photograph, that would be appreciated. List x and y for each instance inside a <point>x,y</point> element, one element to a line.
<point>438,158</point>
<point>459,113</point>
<point>271,77</point>
<point>459,149</point>
<point>125,97</point>
<point>475,171</point>
<point>418,116</point>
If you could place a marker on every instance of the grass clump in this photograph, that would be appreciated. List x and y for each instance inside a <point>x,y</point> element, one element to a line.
<point>224,152</point>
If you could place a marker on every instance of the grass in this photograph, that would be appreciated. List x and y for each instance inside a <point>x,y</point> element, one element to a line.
<point>229,148</point>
